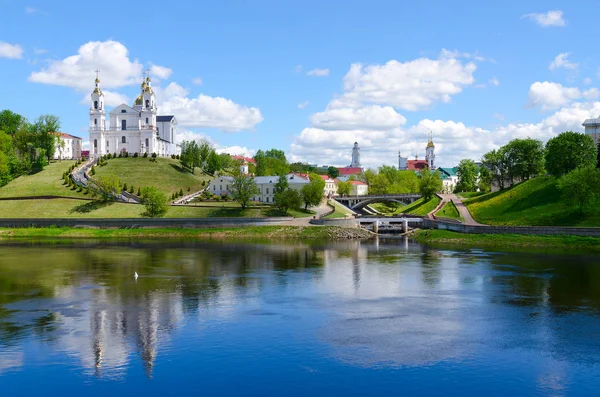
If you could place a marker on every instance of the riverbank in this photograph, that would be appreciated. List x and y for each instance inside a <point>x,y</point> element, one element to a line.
<point>267,232</point>
<point>570,243</point>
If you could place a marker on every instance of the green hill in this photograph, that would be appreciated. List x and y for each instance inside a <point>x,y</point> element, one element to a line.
<point>536,202</point>
<point>48,182</point>
<point>421,207</point>
<point>165,174</point>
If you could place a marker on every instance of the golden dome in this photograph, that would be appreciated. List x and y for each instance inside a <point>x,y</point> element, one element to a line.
<point>139,100</point>
<point>97,80</point>
<point>430,144</point>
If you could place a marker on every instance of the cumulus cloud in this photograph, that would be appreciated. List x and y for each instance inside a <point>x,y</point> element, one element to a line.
<point>561,62</point>
<point>184,134</point>
<point>160,72</point>
<point>207,112</point>
<point>549,19</point>
<point>77,71</point>
<point>302,105</point>
<point>412,85</point>
<point>10,51</point>
<point>372,117</point>
<point>549,96</point>
<point>111,98</point>
<point>318,72</point>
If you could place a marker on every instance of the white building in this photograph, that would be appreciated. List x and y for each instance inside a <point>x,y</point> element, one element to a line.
<point>355,156</point>
<point>266,184</point>
<point>592,128</point>
<point>68,147</point>
<point>330,186</point>
<point>358,188</point>
<point>136,129</point>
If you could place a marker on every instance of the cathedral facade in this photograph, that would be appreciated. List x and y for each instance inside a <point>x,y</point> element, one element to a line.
<point>131,129</point>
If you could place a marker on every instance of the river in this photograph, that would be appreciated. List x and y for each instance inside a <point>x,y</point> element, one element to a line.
<point>382,317</point>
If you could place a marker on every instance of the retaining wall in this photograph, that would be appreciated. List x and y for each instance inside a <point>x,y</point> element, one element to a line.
<point>531,230</point>
<point>120,223</point>
<point>352,222</point>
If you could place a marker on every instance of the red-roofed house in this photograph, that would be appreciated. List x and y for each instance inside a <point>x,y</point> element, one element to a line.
<point>68,147</point>
<point>242,158</point>
<point>344,171</point>
<point>330,185</point>
<point>416,165</point>
<point>358,188</point>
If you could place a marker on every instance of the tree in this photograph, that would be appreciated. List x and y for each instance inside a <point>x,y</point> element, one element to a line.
<point>333,172</point>
<point>271,162</point>
<point>581,187</point>
<point>568,151</point>
<point>524,158</point>
<point>105,189</point>
<point>288,199</point>
<point>343,188</point>
<point>11,122</point>
<point>281,185</point>
<point>155,202</point>
<point>312,193</point>
<point>242,188</point>
<point>379,184</point>
<point>495,169</point>
<point>467,176</point>
<point>45,129</point>
<point>213,163</point>
<point>404,182</point>
<point>367,176</point>
<point>429,183</point>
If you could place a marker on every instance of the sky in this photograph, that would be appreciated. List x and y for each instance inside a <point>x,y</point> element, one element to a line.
<point>313,77</point>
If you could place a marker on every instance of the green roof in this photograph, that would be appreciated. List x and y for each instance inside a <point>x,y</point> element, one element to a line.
<point>448,171</point>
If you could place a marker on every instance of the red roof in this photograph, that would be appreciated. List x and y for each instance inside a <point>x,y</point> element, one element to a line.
<point>416,165</point>
<point>248,159</point>
<point>65,135</point>
<point>357,182</point>
<point>325,177</point>
<point>350,170</point>
<point>303,176</point>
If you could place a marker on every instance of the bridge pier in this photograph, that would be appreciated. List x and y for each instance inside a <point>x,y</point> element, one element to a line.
<point>404,225</point>
<point>376,227</point>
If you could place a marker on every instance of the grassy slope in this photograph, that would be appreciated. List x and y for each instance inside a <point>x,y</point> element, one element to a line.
<point>536,202</point>
<point>339,212</point>
<point>388,208</point>
<point>420,207</point>
<point>449,211</point>
<point>165,174</point>
<point>46,183</point>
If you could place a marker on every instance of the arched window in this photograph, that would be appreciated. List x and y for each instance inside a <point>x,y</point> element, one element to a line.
<point>147,103</point>
<point>123,125</point>
<point>147,143</point>
<point>95,121</point>
<point>123,140</point>
<point>95,104</point>
<point>95,143</point>
<point>146,120</point>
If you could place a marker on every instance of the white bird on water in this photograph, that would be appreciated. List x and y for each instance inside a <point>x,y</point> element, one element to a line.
<point>135,275</point>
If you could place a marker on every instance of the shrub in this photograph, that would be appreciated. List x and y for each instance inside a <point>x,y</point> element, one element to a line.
<point>145,155</point>
<point>87,190</point>
<point>138,192</point>
<point>153,155</point>
<point>224,196</point>
<point>120,155</point>
<point>189,189</point>
<point>153,160</point>
<point>114,155</point>
<point>155,202</point>
<point>108,156</point>
<point>203,183</point>
<point>177,157</point>
<point>181,192</point>
<point>135,154</point>
<point>126,154</point>
<point>124,187</point>
<point>131,189</point>
<point>173,156</point>
<point>80,189</point>
<point>93,170</point>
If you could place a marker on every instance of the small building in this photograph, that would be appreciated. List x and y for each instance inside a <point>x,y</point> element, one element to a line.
<point>592,128</point>
<point>330,186</point>
<point>449,179</point>
<point>266,185</point>
<point>358,188</point>
<point>68,147</point>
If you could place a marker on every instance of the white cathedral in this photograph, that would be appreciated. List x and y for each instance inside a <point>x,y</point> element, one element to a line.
<point>136,129</point>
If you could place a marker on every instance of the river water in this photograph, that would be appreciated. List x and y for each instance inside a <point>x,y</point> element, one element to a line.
<point>386,317</point>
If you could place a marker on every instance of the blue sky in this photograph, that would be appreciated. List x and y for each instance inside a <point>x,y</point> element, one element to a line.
<point>311,77</point>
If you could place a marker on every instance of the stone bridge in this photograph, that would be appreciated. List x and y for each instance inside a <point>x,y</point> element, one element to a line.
<point>358,202</point>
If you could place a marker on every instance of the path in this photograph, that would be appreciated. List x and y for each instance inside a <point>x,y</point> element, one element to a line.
<point>462,209</point>
<point>322,209</point>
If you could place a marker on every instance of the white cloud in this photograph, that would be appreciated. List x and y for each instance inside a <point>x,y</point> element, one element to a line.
<point>445,53</point>
<point>302,105</point>
<point>160,72</point>
<point>197,81</point>
<point>77,71</point>
<point>318,72</point>
<point>206,111</point>
<point>412,85</point>
<point>548,19</point>
<point>549,96</point>
<point>111,98</point>
<point>561,62</point>
<point>188,135</point>
<point>372,117</point>
<point>587,81</point>
<point>235,150</point>
<point>11,51</point>
<point>495,82</point>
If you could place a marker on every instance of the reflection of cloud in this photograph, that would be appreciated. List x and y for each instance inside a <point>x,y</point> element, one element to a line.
<point>10,359</point>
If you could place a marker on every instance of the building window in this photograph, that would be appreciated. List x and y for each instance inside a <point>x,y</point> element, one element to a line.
<point>123,125</point>
<point>123,111</point>
<point>95,143</point>
<point>267,200</point>
<point>106,143</point>
<point>95,121</point>
<point>146,120</point>
<point>215,188</point>
<point>95,104</point>
<point>267,190</point>
<point>147,103</point>
<point>147,143</point>
<point>221,187</point>
<point>123,140</point>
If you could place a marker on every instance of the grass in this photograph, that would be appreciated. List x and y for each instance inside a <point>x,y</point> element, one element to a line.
<point>388,208</point>
<point>421,207</point>
<point>165,174</point>
<point>47,182</point>
<point>256,232</point>
<point>449,211</point>
<point>467,195</point>
<point>561,243</point>
<point>536,202</point>
<point>339,212</point>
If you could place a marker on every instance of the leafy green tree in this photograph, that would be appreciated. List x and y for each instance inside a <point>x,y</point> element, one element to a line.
<point>343,188</point>
<point>379,184</point>
<point>333,172</point>
<point>45,129</point>
<point>467,176</point>
<point>312,193</point>
<point>271,162</point>
<point>227,162</point>
<point>581,187</point>
<point>495,168</point>
<point>524,158</point>
<point>11,122</point>
<point>367,176</point>
<point>155,202</point>
<point>281,185</point>
<point>288,199</point>
<point>429,183</point>
<point>213,163</point>
<point>242,188</point>
<point>568,151</point>
<point>106,188</point>
<point>404,182</point>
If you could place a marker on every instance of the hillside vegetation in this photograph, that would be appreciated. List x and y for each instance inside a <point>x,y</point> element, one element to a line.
<point>47,182</point>
<point>536,202</point>
<point>421,207</point>
<point>165,174</point>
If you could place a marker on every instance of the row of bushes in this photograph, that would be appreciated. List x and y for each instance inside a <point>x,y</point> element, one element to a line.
<point>125,155</point>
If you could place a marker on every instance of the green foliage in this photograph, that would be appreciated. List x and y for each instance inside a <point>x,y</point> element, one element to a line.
<point>271,162</point>
<point>139,193</point>
<point>568,151</point>
<point>155,202</point>
<point>135,155</point>
<point>288,199</point>
<point>145,155</point>
<point>213,163</point>
<point>281,185</point>
<point>524,158</point>
<point>312,193</point>
<point>467,176</point>
<point>333,172</point>
<point>105,189</point>
<point>242,188</point>
<point>125,187</point>
<point>131,190</point>
<point>581,186</point>
<point>194,154</point>
<point>429,183</point>
<point>180,192</point>
<point>153,155</point>
<point>344,188</point>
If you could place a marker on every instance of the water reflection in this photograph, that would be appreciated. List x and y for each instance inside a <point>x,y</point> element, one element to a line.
<point>376,304</point>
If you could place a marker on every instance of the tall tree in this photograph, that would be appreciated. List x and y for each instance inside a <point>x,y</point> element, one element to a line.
<point>568,151</point>
<point>429,183</point>
<point>155,202</point>
<point>343,188</point>
<point>467,176</point>
<point>11,122</point>
<point>242,188</point>
<point>213,163</point>
<point>580,186</point>
<point>494,164</point>
<point>281,185</point>
<point>46,129</point>
<point>312,193</point>
<point>333,172</point>
<point>524,158</point>
<point>287,199</point>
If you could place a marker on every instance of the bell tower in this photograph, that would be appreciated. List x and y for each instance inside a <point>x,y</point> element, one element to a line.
<point>430,152</point>
<point>97,119</point>
<point>355,156</point>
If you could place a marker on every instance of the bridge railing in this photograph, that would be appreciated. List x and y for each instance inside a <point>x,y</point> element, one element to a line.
<point>368,196</point>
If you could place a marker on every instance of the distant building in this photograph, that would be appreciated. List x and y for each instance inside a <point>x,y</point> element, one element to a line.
<point>243,158</point>
<point>358,188</point>
<point>592,128</point>
<point>68,147</point>
<point>404,164</point>
<point>221,186</point>
<point>449,179</point>
<point>347,171</point>
<point>355,156</point>
<point>330,186</point>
